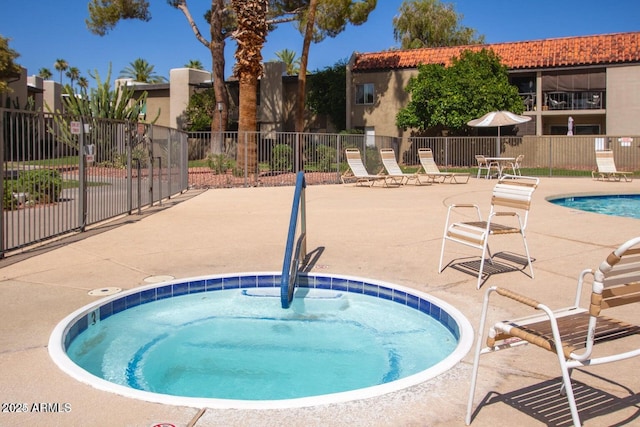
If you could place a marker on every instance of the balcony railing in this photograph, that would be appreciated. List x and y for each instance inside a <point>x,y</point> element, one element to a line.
<point>587,100</point>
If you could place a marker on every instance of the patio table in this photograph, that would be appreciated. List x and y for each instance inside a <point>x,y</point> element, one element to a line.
<point>502,163</point>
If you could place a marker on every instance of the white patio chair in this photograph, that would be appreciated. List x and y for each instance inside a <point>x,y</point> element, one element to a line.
<point>572,333</point>
<point>511,199</point>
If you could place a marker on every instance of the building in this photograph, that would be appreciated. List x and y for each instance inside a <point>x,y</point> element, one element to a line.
<point>167,102</point>
<point>595,80</point>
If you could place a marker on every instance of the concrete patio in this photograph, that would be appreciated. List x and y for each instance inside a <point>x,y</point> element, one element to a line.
<point>389,234</point>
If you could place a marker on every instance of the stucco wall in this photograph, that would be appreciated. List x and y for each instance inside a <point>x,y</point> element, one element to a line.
<point>389,97</point>
<point>623,100</point>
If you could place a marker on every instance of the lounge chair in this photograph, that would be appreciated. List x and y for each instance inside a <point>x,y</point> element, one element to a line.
<point>511,198</point>
<point>392,168</point>
<point>433,173</point>
<point>607,168</point>
<point>358,172</point>
<point>572,333</point>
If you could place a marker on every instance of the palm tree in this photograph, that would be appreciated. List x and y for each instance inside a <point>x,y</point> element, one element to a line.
<point>45,73</point>
<point>61,65</point>
<point>141,71</point>
<point>83,82</point>
<point>250,35</point>
<point>195,64</point>
<point>290,61</point>
<point>73,74</point>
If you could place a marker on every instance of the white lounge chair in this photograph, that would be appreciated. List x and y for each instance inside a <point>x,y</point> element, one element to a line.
<point>433,173</point>
<point>511,199</point>
<point>392,168</point>
<point>607,168</point>
<point>572,333</point>
<point>358,172</point>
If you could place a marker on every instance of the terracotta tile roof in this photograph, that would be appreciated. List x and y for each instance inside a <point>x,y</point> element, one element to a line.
<point>548,53</point>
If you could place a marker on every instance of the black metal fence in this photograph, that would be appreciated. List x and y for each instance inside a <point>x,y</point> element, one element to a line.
<point>61,175</point>
<point>321,156</point>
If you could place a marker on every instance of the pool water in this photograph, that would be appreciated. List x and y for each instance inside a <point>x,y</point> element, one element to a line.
<point>625,205</point>
<point>240,344</point>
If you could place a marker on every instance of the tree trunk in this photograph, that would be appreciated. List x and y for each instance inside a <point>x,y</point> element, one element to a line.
<point>220,119</point>
<point>302,80</point>
<point>250,36</point>
<point>304,59</point>
<point>247,122</point>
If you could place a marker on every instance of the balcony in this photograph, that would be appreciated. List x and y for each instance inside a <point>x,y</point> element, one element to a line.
<point>587,100</point>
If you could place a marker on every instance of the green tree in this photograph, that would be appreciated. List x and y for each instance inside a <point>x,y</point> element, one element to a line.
<point>141,71</point>
<point>73,74</point>
<point>327,93</point>
<point>474,84</point>
<point>45,73</point>
<point>430,23</point>
<point>101,102</point>
<point>321,19</point>
<point>83,82</point>
<point>288,57</point>
<point>8,68</point>
<point>195,64</point>
<point>200,110</point>
<point>105,14</point>
<point>61,65</point>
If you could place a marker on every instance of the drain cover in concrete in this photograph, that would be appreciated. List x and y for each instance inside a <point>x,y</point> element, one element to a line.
<point>158,279</point>
<point>101,292</point>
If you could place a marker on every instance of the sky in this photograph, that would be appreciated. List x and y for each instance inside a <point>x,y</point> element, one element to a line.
<point>42,31</point>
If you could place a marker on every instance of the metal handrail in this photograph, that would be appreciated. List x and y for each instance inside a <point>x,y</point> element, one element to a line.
<point>291,263</point>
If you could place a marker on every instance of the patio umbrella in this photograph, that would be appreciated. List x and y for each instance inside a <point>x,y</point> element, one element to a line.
<point>498,119</point>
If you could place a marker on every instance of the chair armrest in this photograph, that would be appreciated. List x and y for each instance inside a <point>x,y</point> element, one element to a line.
<point>518,297</point>
<point>504,213</point>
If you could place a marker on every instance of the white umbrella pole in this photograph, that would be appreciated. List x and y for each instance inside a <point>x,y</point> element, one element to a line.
<point>498,143</point>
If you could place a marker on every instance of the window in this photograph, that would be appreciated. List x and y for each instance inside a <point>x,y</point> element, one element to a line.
<point>364,93</point>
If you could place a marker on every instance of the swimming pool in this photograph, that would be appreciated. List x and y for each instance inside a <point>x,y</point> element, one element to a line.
<point>320,293</point>
<point>625,205</point>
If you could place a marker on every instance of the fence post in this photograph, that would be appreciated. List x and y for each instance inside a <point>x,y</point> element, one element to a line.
<point>151,161</point>
<point>296,155</point>
<point>338,143</point>
<point>3,144</point>
<point>129,168</point>
<point>550,156</point>
<point>82,169</point>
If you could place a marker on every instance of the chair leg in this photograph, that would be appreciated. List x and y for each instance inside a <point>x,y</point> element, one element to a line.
<point>484,252</point>
<point>476,357</point>
<point>568,388</point>
<point>444,240</point>
<point>526,250</point>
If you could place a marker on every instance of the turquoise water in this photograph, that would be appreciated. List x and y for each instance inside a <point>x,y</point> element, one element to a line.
<point>626,205</point>
<point>240,344</point>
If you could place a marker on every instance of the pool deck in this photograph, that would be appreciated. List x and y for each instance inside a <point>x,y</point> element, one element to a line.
<point>389,234</point>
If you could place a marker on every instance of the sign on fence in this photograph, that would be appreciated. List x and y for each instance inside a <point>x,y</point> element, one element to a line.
<point>76,128</point>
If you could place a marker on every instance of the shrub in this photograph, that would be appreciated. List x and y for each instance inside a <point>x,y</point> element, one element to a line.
<point>42,185</point>
<point>281,158</point>
<point>9,202</point>
<point>326,156</point>
<point>219,163</point>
